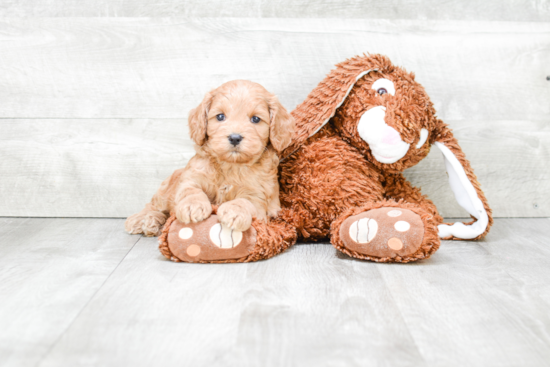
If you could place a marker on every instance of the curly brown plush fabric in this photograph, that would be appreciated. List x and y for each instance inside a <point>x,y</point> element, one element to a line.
<point>322,180</point>
<point>330,171</point>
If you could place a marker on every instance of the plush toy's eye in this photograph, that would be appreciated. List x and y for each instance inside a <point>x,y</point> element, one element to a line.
<point>255,119</point>
<point>383,86</point>
<point>220,117</point>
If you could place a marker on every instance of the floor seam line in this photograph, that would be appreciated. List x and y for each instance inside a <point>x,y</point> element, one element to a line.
<point>85,305</point>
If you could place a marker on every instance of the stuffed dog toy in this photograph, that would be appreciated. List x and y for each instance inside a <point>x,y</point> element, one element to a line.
<point>341,177</point>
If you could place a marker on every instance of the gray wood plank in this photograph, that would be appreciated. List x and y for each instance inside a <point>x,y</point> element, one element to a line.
<point>161,68</point>
<point>160,313</point>
<point>112,167</point>
<point>49,270</point>
<point>270,314</point>
<point>320,310</point>
<point>509,10</point>
<point>315,306</point>
<point>524,238</point>
<point>480,303</point>
<point>87,168</point>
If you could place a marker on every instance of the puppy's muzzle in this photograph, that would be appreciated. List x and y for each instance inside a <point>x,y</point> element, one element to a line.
<point>235,139</point>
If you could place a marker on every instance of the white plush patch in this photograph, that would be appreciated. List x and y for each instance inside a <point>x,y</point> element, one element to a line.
<point>224,237</point>
<point>423,138</point>
<point>364,230</point>
<point>186,233</point>
<point>384,83</point>
<point>466,196</point>
<point>384,141</point>
<point>402,226</point>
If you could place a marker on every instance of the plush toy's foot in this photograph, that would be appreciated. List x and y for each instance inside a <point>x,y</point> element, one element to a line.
<point>210,242</point>
<point>386,232</point>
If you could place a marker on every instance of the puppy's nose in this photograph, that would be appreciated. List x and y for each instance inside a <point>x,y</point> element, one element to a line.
<point>235,139</point>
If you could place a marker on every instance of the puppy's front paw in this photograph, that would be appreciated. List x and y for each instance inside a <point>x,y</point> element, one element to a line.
<point>234,216</point>
<point>193,211</point>
<point>152,224</point>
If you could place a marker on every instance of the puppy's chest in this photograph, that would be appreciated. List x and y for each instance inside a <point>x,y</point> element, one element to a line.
<point>226,191</point>
<point>243,182</point>
<point>230,187</point>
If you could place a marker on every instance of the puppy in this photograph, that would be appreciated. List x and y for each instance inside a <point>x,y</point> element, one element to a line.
<point>238,130</point>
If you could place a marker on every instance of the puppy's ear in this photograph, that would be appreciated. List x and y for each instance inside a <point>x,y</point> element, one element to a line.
<point>198,118</point>
<point>281,126</point>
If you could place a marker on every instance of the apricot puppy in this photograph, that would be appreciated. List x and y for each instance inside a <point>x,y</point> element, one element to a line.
<point>239,130</point>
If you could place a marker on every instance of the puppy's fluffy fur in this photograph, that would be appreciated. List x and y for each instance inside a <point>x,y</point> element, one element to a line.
<point>241,178</point>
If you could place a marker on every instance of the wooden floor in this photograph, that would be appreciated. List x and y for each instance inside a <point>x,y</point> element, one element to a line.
<point>79,292</point>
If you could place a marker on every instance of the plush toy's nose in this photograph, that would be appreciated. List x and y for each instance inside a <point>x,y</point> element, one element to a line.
<point>390,136</point>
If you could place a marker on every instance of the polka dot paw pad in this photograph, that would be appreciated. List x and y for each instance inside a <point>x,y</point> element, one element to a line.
<point>209,241</point>
<point>383,232</point>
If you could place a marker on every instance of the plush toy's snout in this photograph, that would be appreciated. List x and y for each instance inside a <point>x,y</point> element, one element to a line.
<point>384,141</point>
<point>390,136</point>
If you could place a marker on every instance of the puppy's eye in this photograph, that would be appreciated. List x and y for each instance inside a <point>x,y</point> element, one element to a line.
<point>220,117</point>
<point>384,86</point>
<point>255,119</point>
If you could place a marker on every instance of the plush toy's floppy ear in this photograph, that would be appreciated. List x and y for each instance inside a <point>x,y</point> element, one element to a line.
<point>198,118</point>
<point>281,126</point>
<point>321,104</point>
<point>465,187</point>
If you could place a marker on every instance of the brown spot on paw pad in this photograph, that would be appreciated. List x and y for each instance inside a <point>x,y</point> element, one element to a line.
<point>395,244</point>
<point>209,241</point>
<point>193,250</point>
<point>383,232</point>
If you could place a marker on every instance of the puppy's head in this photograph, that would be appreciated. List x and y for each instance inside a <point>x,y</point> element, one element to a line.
<point>238,120</point>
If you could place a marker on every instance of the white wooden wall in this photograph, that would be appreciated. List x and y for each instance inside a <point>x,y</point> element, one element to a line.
<point>94,96</point>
